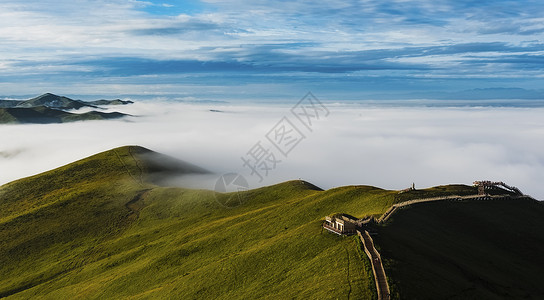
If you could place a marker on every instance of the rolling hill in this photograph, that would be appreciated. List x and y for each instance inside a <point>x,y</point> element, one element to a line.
<point>100,228</point>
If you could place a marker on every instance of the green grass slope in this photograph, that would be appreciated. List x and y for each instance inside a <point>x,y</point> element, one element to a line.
<point>98,228</point>
<point>466,250</point>
<point>50,223</point>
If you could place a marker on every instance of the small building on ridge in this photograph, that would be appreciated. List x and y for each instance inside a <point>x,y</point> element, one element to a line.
<point>341,224</point>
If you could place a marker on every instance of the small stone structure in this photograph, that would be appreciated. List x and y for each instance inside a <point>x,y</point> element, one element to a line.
<point>412,188</point>
<point>342,224</point>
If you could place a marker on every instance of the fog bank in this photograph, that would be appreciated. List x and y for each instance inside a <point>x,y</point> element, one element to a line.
<point>388,147</point>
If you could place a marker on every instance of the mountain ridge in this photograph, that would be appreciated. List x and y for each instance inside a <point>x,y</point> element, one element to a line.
<point>54,101</point>
<point>59,102</point>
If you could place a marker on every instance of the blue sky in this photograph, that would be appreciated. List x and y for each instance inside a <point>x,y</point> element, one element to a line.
<point>237,49</point>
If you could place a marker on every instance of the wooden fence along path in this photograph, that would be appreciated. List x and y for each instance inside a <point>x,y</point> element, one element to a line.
<point>395,207</point>
<point>377,267</point>
<point>375,258</point>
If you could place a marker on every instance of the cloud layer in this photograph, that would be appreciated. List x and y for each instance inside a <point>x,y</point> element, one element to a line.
<point>177,47</point>
<point>389,147</point>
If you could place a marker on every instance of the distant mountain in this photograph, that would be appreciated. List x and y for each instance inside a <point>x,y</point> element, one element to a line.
<point>9,103</point>
<point>53,101</point>
<point>46,115</point>
<point>110,102</point>
<point>49,108</point>
<point>59,102</point>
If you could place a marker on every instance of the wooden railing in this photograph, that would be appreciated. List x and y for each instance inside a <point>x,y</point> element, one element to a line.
<point>395,207</point>
<point>382,287</point>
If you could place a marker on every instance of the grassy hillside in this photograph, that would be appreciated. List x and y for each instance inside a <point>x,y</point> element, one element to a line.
<point>466,250</point>
<point>98,228</point>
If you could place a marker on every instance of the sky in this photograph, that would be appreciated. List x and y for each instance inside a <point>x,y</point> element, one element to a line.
<point>267,50</point>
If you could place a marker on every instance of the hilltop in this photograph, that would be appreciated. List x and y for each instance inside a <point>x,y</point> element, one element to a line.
<point>101,227</point>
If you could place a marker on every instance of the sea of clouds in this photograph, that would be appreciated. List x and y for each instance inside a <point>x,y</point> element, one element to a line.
<point>356,143</point>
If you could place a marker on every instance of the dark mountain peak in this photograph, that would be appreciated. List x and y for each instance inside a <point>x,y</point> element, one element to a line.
<point>49,96</point>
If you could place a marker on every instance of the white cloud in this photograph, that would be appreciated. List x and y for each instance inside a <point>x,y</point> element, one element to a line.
<point>385,147</point>
<point>48,37</point>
